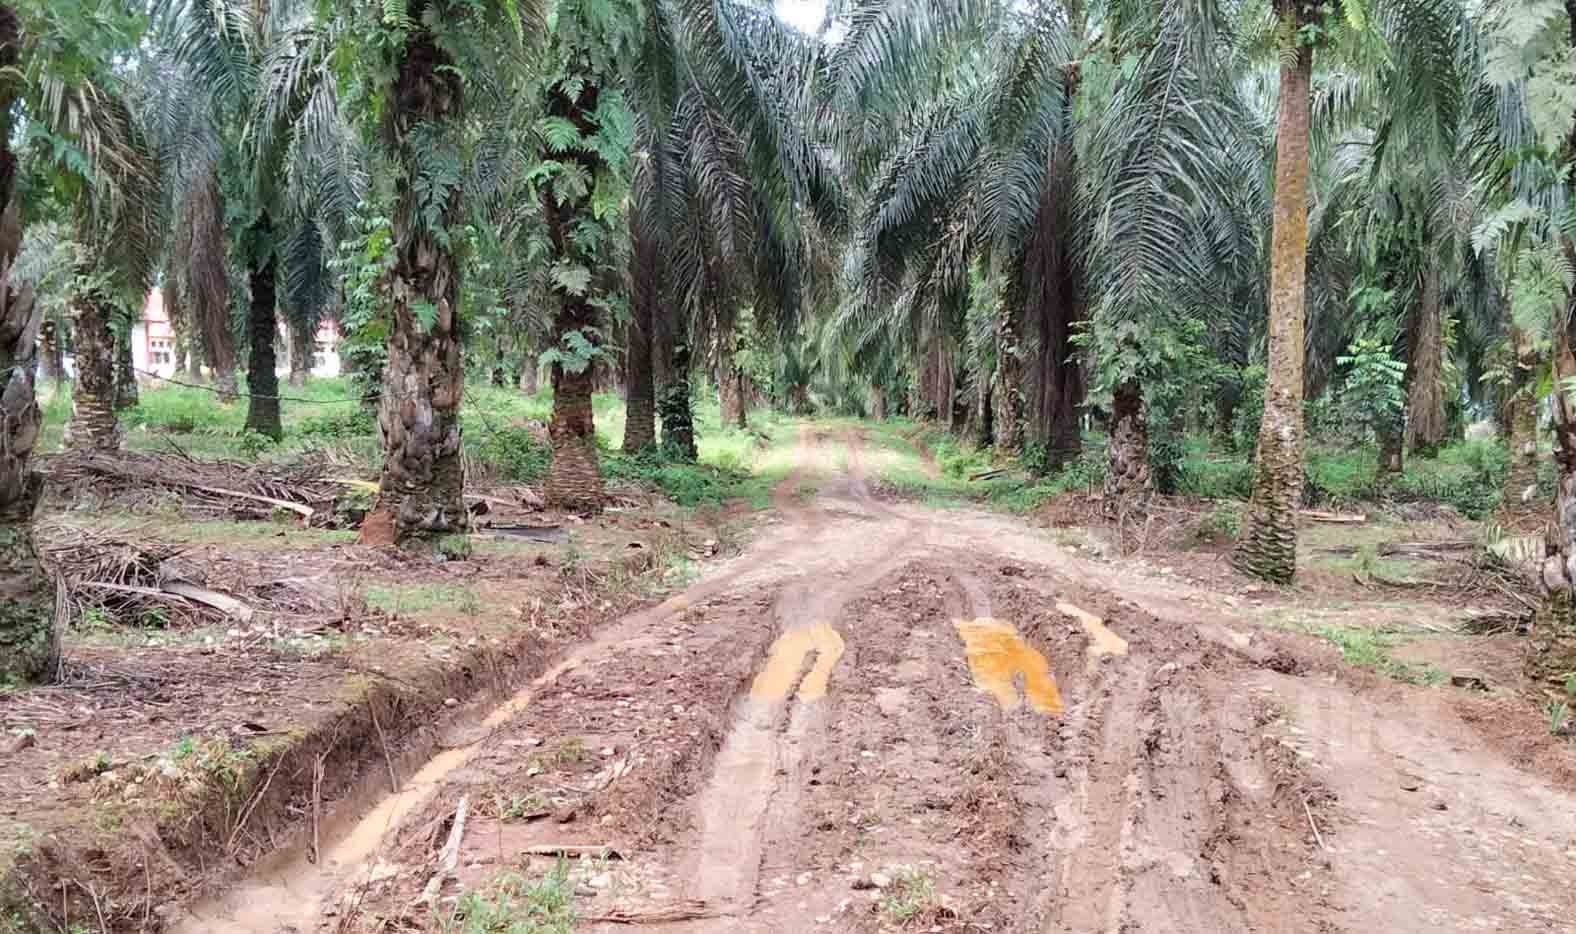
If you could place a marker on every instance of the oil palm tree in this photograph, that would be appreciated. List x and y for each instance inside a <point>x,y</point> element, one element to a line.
<point>86,147</point>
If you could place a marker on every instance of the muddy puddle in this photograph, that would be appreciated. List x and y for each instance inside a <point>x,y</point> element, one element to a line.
<point>292,893</point>
<point>1102,641</point>
<point>1000,661</point>
<point>787,660</point>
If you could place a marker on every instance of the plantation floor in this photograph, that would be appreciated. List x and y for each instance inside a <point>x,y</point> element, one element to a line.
<point>882,716</point>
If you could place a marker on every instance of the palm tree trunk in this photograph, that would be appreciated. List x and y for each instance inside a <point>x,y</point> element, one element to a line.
<point>640,416</point>
<point>1425,402</point>
<point>422,489</point>
<point>1008,421</point>
<point>29,640</point>
<point>1553,652</point>
<point>93,425</point>
<point>1127,480</point>
<point>529,381</point>
<point>1056,288</point>
<point>51,368</point>
<point>1268,546</point>
<point>125,372</point>
<point>1521,475</point>
<point>303,346</point>
<point>980,427</point>
<point>574,479</point>
<point>262,380</point>
<point>678,419</point>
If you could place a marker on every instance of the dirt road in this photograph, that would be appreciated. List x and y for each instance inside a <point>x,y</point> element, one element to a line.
<point>885,717</point>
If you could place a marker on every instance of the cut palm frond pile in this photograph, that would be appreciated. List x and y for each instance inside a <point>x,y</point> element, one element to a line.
<point>106,581</point>
<point>308,490</point>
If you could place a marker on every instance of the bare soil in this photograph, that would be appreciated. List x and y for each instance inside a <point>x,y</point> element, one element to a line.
<point>803,740</point>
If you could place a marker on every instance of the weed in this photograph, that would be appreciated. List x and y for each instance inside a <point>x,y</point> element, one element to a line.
<point>571,750</point>
<point>453,548</point>
<point>1222,523</point>
<point>516,907</point>
<point>518,806</point>
<point>1370,648</point>
<point>414,598</point>
<point>1570,686</point>
<point>184,747</point>
<point>96,618</point>
<point>1367,561</point>
<point>1559,716</point>
<point>911,893</point>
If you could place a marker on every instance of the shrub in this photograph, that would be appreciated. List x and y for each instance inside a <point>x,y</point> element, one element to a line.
<point>350,421</point>
<point>516,454</point>
<point>1215,478</point>
<point>684,484</point>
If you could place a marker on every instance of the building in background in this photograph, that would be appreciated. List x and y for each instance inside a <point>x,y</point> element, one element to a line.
<point>153,344</point>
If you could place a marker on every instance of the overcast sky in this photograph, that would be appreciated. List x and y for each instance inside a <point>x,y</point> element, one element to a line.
<point>805,14</point>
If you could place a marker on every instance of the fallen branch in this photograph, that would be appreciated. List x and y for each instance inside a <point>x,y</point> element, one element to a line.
<point>1315,827</point>
<point>991,474</point>
<point>1341,518</point>
<point>692,911</point>
<point>306,512</point>
<point>222,602</point>
<point>571,851</point>
<point>449,856</point>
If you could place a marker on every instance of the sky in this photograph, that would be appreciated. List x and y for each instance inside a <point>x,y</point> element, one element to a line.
<point>804,14</point>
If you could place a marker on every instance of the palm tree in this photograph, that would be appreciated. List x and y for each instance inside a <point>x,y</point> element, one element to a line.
<point>1268,545</point>
<point>29,643</point>
<point>93,152</point>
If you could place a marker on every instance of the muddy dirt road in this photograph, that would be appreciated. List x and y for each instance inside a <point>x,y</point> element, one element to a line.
<point>887,717</point>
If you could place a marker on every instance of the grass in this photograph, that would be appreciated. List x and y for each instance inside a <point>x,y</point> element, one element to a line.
<point>1366,647</point>
<point>422,598</point>
<point>515,906</point>
<point>912,892</point>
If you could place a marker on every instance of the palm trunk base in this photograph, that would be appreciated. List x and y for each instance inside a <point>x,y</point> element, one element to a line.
<point>1127,480</point>
<point>678,423</point>
<point>93,424</point>
<point>29,636</point>
<point>1551,653</point>
<point>574,480</point>
<point>228,388</point>
<point>1267,548</point>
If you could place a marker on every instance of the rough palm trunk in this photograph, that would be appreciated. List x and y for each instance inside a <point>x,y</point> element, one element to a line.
<point>1268,546</point>
<point>422,489</point>
<point>125,372</point>
<point>529,381</point>
<point>678,420</point>
<point>1425,402</point>
<point>1127,480</point>
<point>640,426</point>
<point>1521,423</point>
<point>93,425</point>
<point>29,639</point>
<point>982,412</point>
<point>262,380</point>
<point>51,357</point>
<point>303,345</point>
<point>1055,287</point>
<point>574,479</point>
<point>1008,392</point>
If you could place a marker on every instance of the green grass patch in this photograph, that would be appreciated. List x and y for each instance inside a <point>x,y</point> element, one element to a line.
<point>423,598</point>
<point>514,906</point>
<point>1370,648</point>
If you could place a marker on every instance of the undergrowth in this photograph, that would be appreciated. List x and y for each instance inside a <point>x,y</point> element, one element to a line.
<point>515,906</point>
